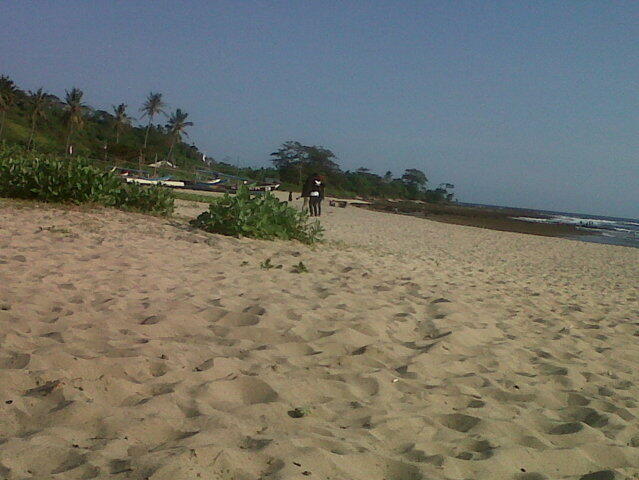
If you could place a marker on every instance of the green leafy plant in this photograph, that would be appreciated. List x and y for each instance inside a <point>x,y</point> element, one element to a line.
<point>300,268</point>
<point>257,216</point>
<point>53,179</point>
<point>267,265</point>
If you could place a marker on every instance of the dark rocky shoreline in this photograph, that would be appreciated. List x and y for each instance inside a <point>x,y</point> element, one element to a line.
<point>482,217</point>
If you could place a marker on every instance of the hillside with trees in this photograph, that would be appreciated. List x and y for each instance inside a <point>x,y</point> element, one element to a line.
<point>46,123</point>
<point>42,122</point>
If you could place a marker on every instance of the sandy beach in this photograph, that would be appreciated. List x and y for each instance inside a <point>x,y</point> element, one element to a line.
<point>132,347</point>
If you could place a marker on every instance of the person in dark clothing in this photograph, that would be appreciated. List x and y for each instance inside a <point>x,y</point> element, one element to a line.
<point>306,191</point>
<point>316,195</point>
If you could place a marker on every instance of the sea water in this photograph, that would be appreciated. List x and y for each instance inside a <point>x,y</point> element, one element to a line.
<point>600,229</point>
<point>596,228</point>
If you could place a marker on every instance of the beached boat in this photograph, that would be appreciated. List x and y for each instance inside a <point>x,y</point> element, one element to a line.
<point>163,181</point>
<point>264,187</point>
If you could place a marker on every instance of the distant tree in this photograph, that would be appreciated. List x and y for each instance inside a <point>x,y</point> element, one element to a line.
<point>289,153</point>
<point>415,178</point>
<point>363,170</point>
<point>388,176</point>
<point>415,181</point>
<point>294,161</point>
<point>7,98</point>
<point>177,127</point>
<point>152,107</point>
<point>39,101</point>
<point>321,160</point>
<point>120,120</point>
<point>74,117</point>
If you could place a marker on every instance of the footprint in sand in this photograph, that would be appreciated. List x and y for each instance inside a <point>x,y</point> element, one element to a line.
<point>237,319</point>
<point>600,475</point>
<point>152,320</point>
<point>162,388</point>
<point>575,399</point>
<point>15,361</point>
<point>255,310</point>
<point>566,428</point>
<point>586,415</point>
<point>254,444</point>
<point>71,461</point>
<point>460,422</point>
<point>243,390</point>
<point>205,365</point>
<point>530,476</point>
<point>57,336</point>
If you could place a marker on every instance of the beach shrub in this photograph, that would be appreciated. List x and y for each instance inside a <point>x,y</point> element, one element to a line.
<point>152,199</point>
<point>75,180</point>
<point>257,216</point>
<point>300,268</point>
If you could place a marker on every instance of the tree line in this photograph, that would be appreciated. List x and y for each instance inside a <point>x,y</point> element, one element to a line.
<point>43,122</point>
<point>295,161</point>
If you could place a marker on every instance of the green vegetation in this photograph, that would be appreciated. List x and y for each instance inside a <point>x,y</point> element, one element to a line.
<point>153,106</point>
<point>257,216</point>
<point>294,162</point>
<point>43,122</point>
<point>27,175</point>
<point>300,268</point>
<point>121,120</point>
<point>267,265</point>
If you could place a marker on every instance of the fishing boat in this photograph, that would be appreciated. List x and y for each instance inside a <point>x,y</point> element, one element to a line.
<point>213,185</point>
<point>162,181</point>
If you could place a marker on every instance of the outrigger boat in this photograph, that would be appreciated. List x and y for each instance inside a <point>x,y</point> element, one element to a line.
<point>163,181</point>
<point>221,183</point>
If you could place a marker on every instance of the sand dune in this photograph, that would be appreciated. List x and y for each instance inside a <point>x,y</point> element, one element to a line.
<point>132,347</point>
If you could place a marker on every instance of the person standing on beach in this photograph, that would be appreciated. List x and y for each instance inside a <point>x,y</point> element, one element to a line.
<point>306,191</point>
<point>316,195</point>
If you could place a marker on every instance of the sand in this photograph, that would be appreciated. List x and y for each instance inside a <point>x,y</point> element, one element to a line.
<point>132,347</point>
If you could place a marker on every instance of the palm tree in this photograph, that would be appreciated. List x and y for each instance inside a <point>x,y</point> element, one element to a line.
<point>121,120</point>
<point>74,118</point>
<point>7,98</point>
<point>153,106</point>
<point>177,127</point>
<point>38,111</point>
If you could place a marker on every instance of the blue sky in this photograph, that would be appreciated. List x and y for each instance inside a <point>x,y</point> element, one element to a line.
<point>532,104</point>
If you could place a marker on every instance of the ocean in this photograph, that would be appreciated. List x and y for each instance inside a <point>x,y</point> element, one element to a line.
<point>597,229</point>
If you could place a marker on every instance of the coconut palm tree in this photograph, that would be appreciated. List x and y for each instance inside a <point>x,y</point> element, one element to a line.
<point>121,120</point>
<point>7,98</point>
<point>74,118</point>
<point>177,127</point>
<point>38,111</point>
<point>152,107</point>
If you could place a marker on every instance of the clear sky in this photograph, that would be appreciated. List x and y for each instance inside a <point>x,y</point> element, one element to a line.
<point>521,103</point>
